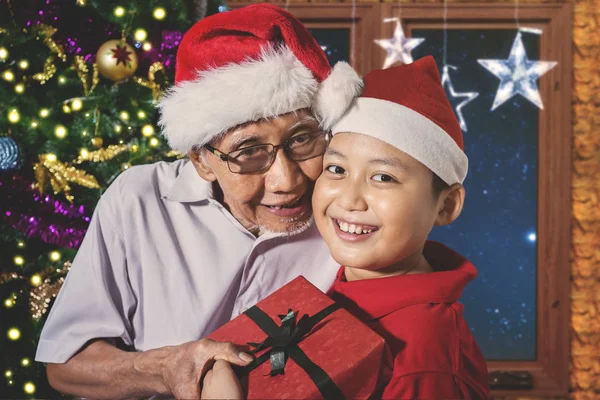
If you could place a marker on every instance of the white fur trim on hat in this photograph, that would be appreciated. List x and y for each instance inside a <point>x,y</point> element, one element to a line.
<point>195,112</point>
<point>408,131</point>
<point>336,93</point>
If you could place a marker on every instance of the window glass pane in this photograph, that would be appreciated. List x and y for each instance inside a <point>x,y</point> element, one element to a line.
<point>335,42</point>
<point>497,229</point>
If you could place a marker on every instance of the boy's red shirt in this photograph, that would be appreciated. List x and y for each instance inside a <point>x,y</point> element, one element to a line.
<point>435,355</point>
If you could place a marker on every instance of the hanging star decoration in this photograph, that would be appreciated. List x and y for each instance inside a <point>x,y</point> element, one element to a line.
<point>121,54</point>
<point>518,75</point>
<point>399,47</point>
<point>468,96</point>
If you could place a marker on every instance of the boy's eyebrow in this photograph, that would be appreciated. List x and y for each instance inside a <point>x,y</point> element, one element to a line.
<point>391,162</point>
<point>333,152</point>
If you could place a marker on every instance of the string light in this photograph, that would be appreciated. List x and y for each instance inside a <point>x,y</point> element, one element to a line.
<point>23,64</point>
<point>140,35</point>
<point>14,334</point>
<point>34,124</point>
<point>84,153</point>
<point>60,131</point>
<point>8,303</point>
<point>3,53</point>
<point>19,260</point>
<point>44,112</point>
<point>66,109</point>
<point>118,128</point>
<point>8,75</point>
<point>29,388</point>
<point>154,142</point>
<point>81,2</point>
<point>20,244</point>
<point>25,362</point>
<point>8,373</point>
<point>147,46</point>
<point>19,88</point>
<point>77,104</point>
<point>14,116</point>
<point>36,280</point>
<point>148,130</point>
<point>124,115</point>
<point>55,256</point>
<point>134,148</point>
<point>141,114</point>
<point>51,157</point>
<point>62,80</point>
<point>159,13</point>
<point>84,133</point>
<point>119,11</point>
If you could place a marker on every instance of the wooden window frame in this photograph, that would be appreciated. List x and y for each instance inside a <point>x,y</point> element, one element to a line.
<point>549,372</point>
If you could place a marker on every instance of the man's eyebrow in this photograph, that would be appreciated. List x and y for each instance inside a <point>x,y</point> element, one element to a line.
<point>244,138</point>
<point>307,120</point>
<point>390,162</point>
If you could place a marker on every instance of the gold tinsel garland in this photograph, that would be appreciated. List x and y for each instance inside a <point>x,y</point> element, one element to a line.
<point>56,49</point>
<point>83,71</point>
<point>60,175</point>
<point>102,155</point>
<point>41,296</point>
<point>151,81</point>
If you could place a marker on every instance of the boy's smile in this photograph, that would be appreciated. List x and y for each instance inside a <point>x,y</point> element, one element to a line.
<point>374,205</point>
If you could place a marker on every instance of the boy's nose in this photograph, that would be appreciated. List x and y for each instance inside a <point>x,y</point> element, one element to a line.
<point>350,197</point>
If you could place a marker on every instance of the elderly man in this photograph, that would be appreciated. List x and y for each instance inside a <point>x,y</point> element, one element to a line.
<point>174,250</point>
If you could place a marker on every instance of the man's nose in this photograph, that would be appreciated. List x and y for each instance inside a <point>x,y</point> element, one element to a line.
<point>350,196</point>
<point>284,175</point>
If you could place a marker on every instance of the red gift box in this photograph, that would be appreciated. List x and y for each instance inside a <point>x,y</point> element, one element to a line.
<point>329,352</point>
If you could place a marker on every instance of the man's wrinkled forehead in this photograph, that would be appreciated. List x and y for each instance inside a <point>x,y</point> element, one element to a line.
<point>281,125</point>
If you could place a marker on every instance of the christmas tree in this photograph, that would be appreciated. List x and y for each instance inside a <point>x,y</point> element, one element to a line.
<point>78,89</point>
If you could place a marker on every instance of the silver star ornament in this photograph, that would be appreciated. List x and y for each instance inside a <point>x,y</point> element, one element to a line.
<point>518,75</point>
<point>399,47</point>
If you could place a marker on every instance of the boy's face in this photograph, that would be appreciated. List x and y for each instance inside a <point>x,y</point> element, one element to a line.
<point>370,186</point>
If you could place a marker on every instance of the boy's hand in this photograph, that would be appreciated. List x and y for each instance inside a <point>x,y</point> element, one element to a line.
<point>221,383</point>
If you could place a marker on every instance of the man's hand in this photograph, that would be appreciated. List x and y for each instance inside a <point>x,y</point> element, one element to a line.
<point>221,383</point>
<point>183,366</point>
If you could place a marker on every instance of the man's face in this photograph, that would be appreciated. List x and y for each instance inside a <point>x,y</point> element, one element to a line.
<point>277,199</point>
<point>373,204</point>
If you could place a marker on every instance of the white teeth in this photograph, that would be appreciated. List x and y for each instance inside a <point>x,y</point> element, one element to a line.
<point>354,229</point>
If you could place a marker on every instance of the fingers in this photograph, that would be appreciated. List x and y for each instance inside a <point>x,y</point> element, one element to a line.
<point>230,353</point>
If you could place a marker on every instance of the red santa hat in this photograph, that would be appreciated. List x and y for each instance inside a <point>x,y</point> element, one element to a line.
<point>245,65</point>
<point>407,107</point>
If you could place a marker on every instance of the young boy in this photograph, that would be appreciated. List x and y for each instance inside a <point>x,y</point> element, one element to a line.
<point>393,170</point>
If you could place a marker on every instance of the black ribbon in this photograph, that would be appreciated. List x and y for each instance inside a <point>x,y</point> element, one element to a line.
<point>283,343</point>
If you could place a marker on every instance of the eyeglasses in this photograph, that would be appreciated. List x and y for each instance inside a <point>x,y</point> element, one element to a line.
<point>257,158</point>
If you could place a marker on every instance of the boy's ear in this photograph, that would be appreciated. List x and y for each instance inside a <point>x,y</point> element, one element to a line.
<point>450,204</point>
<point>202,167</point>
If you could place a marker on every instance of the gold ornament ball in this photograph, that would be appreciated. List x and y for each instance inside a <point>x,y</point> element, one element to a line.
<point>97,141</point>
<point>116,60</point>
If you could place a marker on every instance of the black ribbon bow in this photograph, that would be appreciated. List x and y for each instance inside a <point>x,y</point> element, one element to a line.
<point>282,342</point>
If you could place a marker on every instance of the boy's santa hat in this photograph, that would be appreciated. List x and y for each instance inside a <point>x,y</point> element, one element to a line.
<point>407,107</point>
<point>245,65</point>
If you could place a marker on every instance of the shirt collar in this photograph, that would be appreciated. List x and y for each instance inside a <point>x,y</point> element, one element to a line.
<point>189,187</point>
<point>374,298</point>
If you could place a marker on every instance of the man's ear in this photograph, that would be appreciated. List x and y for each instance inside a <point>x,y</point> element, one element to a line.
<point>202,167</point>
<point>450,204</point>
